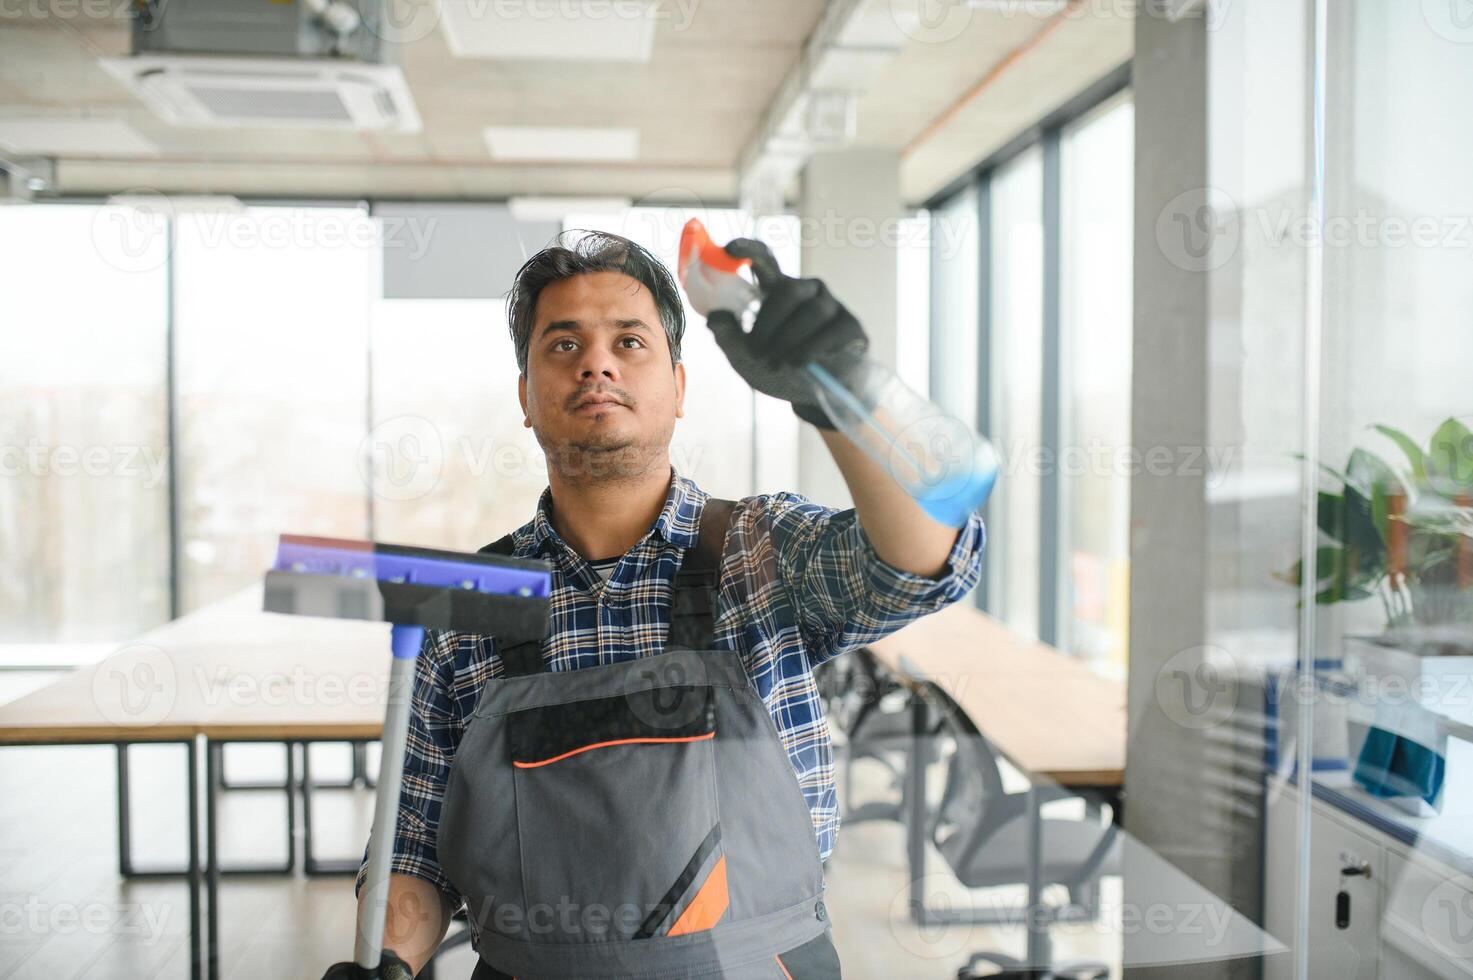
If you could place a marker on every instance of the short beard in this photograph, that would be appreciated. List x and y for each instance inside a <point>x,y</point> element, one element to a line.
<point>621,462</point>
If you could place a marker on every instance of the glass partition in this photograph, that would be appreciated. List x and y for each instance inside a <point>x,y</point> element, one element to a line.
<point>1393,573</point>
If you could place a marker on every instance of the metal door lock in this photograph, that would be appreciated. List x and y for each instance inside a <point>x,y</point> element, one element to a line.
<point>1351,866</point>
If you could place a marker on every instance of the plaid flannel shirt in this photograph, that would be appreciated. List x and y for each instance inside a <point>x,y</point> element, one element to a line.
<point>799,584</point>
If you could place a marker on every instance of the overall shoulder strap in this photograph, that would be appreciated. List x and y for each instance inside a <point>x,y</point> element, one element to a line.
<point>503,545</point>
<point>519,659</point>
<point>703,559</point>
<point>692,604</point>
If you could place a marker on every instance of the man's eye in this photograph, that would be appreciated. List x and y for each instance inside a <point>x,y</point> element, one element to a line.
<point>560,343</point>
<point>636,340</point>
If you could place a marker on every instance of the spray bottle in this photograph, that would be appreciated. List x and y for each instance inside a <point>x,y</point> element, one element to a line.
<point>941,462</point>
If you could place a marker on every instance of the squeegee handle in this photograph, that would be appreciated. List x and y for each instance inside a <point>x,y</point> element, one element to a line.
<point>374,907</point>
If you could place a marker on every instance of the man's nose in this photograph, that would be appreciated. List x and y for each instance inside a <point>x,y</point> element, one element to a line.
<point>598,362</point>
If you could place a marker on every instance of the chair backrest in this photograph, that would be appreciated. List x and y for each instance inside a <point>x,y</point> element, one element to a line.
<point>974,803</point>
<point>852,687</point>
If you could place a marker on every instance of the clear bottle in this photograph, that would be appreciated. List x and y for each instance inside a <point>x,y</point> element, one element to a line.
<point>941,462</point>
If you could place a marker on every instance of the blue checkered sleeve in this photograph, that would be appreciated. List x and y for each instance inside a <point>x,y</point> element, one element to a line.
<point>845,594</point>
<point>434,732</point>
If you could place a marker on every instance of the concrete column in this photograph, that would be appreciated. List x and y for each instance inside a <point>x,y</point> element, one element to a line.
<point>849,208</point>
<point>1190,784</point>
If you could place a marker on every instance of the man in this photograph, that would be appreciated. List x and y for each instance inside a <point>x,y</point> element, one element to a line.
<point>597,324</point>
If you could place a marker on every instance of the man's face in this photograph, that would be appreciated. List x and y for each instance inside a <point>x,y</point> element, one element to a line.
<point>599,391</point>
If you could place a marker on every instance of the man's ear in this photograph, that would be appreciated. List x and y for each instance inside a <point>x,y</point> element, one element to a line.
<point>522,397</point>
<point>680,389</point>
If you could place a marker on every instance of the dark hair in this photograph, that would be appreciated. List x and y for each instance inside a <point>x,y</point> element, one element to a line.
<point>579,251</point>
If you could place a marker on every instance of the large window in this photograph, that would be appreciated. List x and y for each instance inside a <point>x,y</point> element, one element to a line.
<point>1095,372</point>
<point>302,401</point>
<point>84,487</point>
<point>913,301</point>
<point>1049,320</point>
<point>271,329</point>
<point>1015,389</point>
<point>954,257</point>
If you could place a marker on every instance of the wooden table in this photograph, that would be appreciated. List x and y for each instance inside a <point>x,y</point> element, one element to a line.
<point>227,673</point>
<point>1048,713</point>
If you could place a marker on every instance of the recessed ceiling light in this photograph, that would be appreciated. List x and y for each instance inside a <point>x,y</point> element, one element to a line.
<point>562,142</point>
<point>556,208</point>
<point>570,30</point>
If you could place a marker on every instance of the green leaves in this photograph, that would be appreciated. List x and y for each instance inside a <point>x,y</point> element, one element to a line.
<point>1356,521</point>
<point>1413,453</point>
<point>1450,460</point>
<point>1427,508</point>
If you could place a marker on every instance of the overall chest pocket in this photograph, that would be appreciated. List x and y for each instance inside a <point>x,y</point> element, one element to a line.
<point>617,815</point>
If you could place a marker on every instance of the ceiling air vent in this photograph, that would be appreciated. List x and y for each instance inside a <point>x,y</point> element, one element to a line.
<point>308,93</point>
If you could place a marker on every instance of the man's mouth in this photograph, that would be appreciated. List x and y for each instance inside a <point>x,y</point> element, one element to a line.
<point>598,402</point>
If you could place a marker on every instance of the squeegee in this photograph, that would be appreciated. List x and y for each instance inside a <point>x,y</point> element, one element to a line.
<point>412,589</point>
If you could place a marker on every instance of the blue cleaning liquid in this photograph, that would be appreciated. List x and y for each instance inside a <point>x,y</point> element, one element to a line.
<point>952,498</point>
<point>952,501</point>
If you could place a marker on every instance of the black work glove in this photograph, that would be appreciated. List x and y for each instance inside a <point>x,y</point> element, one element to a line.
<point>391,967</point>
<point>799,321</point>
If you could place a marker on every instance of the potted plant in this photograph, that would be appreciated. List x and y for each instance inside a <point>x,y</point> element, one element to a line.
<point>1403,534</point>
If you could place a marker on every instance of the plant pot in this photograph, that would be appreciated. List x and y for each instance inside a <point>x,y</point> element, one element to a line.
<point>1430,640</point>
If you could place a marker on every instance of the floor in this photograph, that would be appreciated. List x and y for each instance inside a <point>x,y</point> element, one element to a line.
<point>66,914</point>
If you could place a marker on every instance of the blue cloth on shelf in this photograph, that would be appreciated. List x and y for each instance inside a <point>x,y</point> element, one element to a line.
<point>1394,765</point>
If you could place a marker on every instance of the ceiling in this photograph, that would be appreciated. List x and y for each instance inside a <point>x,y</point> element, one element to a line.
<point>715,68</point>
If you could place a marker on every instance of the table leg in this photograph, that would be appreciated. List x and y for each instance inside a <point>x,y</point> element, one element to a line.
<point>1040,945</point>
<point>212,857</point>
<point>198,942</point>
<point>915,780</point>
<point>125,848</point>
<point>128,869</point>
<point>291,806</point>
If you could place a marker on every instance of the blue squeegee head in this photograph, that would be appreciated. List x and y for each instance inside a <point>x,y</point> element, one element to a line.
<point>408,586</point>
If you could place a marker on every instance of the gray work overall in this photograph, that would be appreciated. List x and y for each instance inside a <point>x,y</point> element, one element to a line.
<point>636,820</point>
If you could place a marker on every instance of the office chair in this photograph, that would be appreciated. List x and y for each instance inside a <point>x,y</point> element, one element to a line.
<point>856,691</point>
<point>981,830</point>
